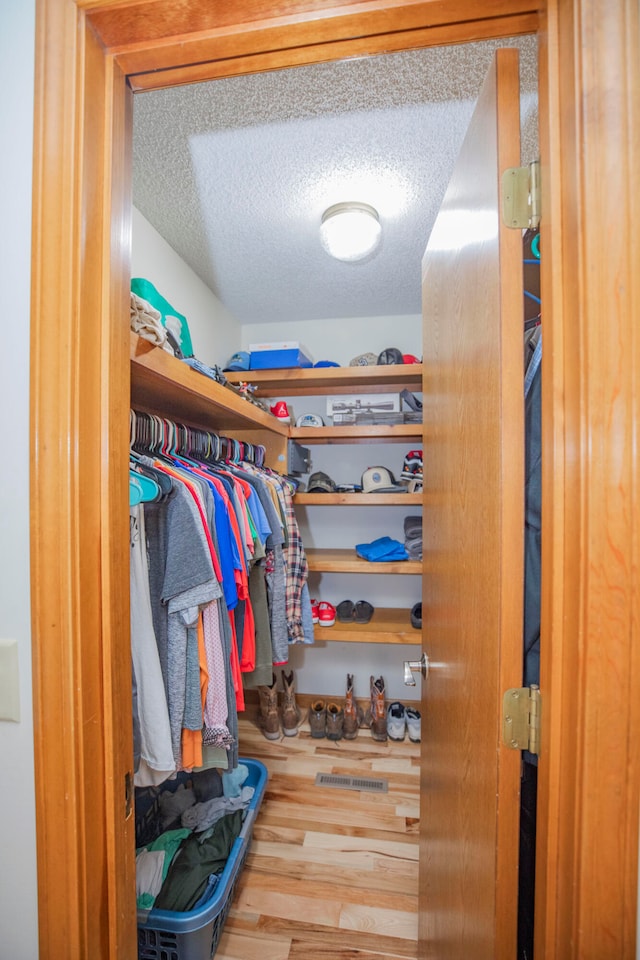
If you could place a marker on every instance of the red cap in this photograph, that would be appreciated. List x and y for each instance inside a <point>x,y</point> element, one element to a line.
<point>409,358</point>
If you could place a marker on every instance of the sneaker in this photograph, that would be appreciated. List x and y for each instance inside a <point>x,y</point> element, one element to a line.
<point>281,411</point>
<point>315,613</point>
<point>412,717</point>
<point>326,614</point>
<point>335,720</point>
<point>317,717</point>
<point>396,721</point>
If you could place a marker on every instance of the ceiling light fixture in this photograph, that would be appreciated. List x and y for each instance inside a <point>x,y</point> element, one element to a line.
<point>350,231</point>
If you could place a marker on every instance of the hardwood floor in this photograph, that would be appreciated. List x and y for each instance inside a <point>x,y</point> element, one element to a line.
<point>331,873</point>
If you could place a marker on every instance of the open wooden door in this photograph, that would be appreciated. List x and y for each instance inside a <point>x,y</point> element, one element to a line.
<point>473,543</point>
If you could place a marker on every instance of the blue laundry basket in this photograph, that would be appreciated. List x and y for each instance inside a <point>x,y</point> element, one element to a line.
<point>194,934</point>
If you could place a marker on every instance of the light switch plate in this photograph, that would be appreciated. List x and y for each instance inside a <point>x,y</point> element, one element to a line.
<point>9,681</point>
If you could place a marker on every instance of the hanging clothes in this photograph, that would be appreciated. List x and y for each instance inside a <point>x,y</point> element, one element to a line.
<point>227,582</point>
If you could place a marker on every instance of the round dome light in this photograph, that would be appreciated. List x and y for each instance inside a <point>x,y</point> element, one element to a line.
<point>350,231</point>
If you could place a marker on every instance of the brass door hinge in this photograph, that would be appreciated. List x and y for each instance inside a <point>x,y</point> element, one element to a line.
<point>521,708</point>
<point>521,196</point>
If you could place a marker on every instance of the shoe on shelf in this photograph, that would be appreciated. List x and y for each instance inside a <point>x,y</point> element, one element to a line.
<point>416,616</point>
<point>281,411</point>
<point>315,613</point>
<point>412,717</point>
<point>353,712</point>
<point>335,720</point>
<point>375,715</point>
<point>363,611</point>
<point>326,614</point>
<point>290,712</point>
<point>345,610</point>
<point>268,716</point>
<point>396,721</point>
<point>317,717</point>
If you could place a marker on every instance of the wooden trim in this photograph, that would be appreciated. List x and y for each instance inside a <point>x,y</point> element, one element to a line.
<point>157,46</point>
<point>588,842</point>
<point>79,553</point>
<point>358,499</point>
<point>589,121</point>
<point>325,560</point>
<point>332,381</point>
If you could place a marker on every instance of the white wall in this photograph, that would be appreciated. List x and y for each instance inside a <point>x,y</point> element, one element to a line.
<point>18,882</point>
<point>341,341</point>
<point>215,333</point>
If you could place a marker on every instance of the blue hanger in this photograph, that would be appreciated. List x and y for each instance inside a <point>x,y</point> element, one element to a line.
<point>142,489</point>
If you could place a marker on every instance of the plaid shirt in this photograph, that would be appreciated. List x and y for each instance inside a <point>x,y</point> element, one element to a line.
<point>295,560</point>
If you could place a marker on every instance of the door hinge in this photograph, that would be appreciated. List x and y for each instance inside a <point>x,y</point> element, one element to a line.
<point>521,708</point>
<point>521,196</point>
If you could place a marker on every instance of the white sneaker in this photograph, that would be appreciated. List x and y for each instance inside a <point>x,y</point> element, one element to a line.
<point>413,724</point>
<point>396,721</point>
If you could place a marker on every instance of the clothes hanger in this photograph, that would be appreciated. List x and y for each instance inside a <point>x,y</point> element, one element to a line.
<point>142,489</point>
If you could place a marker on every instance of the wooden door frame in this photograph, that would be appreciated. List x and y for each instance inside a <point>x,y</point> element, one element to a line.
<point>89,53</point>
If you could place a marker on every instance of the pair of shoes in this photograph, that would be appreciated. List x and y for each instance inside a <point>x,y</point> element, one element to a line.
<point>326,720</point>
<point>402,720</point>
<point>326,614</point>
<point>350,612</point>
<point>375,716</point>
<point>281,411</point>
<point>270,717</point>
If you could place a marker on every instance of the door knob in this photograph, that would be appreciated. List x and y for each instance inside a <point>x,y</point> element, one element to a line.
<point>411,666</point>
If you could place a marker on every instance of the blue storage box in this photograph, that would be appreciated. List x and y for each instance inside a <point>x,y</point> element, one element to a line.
<point>194,934</point>
<point>277,359</point>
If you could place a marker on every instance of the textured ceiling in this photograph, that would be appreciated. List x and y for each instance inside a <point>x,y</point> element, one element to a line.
<point>235,174</point>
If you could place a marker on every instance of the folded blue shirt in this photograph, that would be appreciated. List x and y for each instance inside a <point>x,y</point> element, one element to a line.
<point>382,549</point>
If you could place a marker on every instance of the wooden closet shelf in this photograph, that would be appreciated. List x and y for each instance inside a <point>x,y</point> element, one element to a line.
<point>160,382</point>
<point>386,626</point>
<point>366,433</point>
<point>333,381</point>
<point>347,561</point>
<point>358,499</point>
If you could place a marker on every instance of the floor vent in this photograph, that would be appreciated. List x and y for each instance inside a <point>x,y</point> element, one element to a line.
<point>367,784</point>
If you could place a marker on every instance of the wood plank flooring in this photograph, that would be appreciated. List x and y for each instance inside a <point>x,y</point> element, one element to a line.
<point>331,873</point>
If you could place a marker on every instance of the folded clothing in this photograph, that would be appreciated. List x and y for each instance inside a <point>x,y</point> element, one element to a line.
<point>412,527</point>
<point>383,549</point>
<point>413,537</point>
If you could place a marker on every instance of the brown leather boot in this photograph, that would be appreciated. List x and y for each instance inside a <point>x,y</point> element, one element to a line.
<point>376,713</point>
<point>268,717</point>
<point>290,712</point>
<point>353,713</point>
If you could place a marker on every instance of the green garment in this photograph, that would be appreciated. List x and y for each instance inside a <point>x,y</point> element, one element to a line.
<point>199,856</point>
<point>146,290</point>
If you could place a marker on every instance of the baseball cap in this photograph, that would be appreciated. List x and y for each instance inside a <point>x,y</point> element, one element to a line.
<point>380,480</point>
<point>390,355</point>
<point>409,358</point>
<point>320,482</point>
<point>326,363</point>
<point>309,420</point>
<point>364,360</point>
<point>239,361</point>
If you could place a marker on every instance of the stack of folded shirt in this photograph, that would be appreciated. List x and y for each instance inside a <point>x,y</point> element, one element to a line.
<point>413,537</point>
<point>382,550</point>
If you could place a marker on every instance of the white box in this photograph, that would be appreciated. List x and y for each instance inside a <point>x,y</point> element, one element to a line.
<point>366,403</point>
<point>282,345</point>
